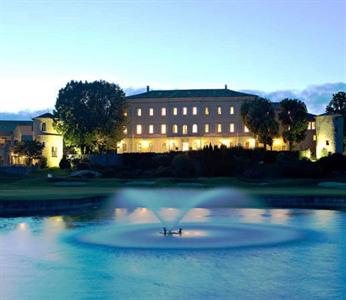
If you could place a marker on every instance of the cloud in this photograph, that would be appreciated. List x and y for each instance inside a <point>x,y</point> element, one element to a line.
<point>316,97</point>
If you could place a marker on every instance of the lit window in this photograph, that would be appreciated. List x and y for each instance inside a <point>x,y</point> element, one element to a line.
<point>139,147</point>
<point>314,137</point>
<point>175,128</point>
<point>125,113</point>
<point>43,127</point>
<point>175,111</point>
<point>194,128</point>
<point>231,110</point>
<point>54,151</point>
<point>151,129</point>
<point>206,111</point>
<point>246,129</point>
<point>184,129</point>
<point>184,110</point>
<point>313,125</point>
<point>163,128</point>
<point>219,110</point>
<point>151,112</point>
<point>194,110</point>
<point>125,130</point>
<point>163,111</point>
<point>219,127</point>
<point>231,127</point>
<point>139,112</point>
<point>139,129</point>
<point>206,128</point>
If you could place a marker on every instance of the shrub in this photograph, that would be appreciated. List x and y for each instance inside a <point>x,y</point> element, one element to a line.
<point>183,166</point>
<point>64,164</point>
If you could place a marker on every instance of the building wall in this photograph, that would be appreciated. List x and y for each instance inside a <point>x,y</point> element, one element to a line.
<point>157,141</point>
<point>195,117</point>
<point>44,132</point>
<point>329,134</point>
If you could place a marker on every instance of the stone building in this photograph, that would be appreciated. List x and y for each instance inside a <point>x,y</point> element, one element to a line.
<point>180,120</point>
<point>40,129</point>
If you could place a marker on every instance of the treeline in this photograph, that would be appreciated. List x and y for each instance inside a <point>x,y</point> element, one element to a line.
<point>215,162</point>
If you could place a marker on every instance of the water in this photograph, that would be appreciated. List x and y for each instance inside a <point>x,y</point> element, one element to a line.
<point>291,254</point>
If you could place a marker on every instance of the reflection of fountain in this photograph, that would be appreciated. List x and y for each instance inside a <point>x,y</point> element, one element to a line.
<point>170,206</point>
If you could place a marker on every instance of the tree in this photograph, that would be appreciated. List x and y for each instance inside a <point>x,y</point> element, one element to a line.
<point>294,119</point>
<point>30,149</point>
<point>338,106</point>
<point>259,117</point>
<point>90,115</point>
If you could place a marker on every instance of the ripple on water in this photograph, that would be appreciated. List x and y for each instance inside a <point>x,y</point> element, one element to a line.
<point>194,236</point>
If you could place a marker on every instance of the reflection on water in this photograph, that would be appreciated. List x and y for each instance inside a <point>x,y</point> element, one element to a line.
<point>37,261</point>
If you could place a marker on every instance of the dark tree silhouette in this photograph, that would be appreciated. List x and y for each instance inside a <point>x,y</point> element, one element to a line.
<point>91,115</point>
<point>294,119</point>
<point>338,106</point>
<point>259,117</point>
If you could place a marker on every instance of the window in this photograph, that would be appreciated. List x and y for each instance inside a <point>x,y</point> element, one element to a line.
<point>175,128</point>
<point>246,129</point>
<point>219,110</point>
<point>311,125</point>
<point>231,127</point>
<point>163,111</point>
<point>231,110</point>
<point>151,111</point>
<point>194,128</point>
<point>175,111</point>
<point>139,129</point>
<point>43,127</point>
<point>184,110</point>
<point>125,113</point>
<point>125,130</point>
<point>219,127</point>
<point>54,151</point>
<point>314,138</point>
<point>163,128</point>
<point>184,129</point>
<point>206,128</point>
<point>139,147</point>
<point>194,110</point>
<point>206,110</point>
<point>327,142</point>
<point>151,129</point>
<point>164,147</point>
<point>139,112</point>
<point>124,147</point>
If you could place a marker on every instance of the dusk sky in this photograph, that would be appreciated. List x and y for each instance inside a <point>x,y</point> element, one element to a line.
<point>256,45</point>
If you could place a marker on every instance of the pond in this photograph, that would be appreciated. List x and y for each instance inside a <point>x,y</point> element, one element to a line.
<point>118,252</point>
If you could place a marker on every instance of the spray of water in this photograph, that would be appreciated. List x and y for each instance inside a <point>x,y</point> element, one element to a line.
<point>170,206</point>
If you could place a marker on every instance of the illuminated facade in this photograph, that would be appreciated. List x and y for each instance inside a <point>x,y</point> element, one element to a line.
<point>181,120</point>
<point>40,129</point>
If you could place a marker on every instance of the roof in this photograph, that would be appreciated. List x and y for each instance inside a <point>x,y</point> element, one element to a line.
<point>190,94</point>
<point>330,114</point>
<point>11,125</point>
<point>46,115</point>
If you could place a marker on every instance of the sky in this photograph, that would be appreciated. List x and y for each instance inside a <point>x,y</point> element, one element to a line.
<point>267,45</point>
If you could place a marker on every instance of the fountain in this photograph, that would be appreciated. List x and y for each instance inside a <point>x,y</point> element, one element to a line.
<point>173,231</point>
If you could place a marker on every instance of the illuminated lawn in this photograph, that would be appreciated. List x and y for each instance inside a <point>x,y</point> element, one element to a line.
<point>36,187</point>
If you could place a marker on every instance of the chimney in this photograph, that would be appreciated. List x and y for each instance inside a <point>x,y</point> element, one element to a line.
<point>148,88</point>
<point>225,86</point>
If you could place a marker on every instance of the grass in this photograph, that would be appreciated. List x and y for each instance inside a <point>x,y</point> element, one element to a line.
<point>37,187</point>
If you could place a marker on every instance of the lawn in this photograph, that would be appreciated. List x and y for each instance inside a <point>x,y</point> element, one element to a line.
<point>37,187</point>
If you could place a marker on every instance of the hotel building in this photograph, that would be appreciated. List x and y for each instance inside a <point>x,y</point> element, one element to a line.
<point>181,120</point>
